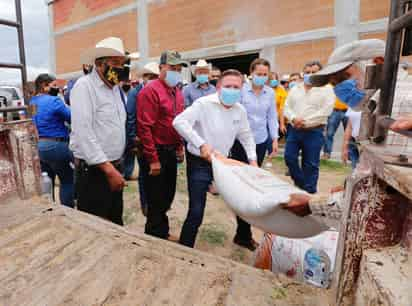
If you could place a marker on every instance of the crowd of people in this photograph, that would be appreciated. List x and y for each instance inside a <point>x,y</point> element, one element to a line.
<point>91,139</point>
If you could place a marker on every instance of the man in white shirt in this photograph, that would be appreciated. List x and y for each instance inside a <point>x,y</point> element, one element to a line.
<point>211,125</point>
<point>307,109</point>
<point>98,137</point>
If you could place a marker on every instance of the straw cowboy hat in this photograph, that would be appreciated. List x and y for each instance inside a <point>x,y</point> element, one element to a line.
<point>201,64</point>
<point>152,68</point>
<point>344,56</point>
<point>111,46</point>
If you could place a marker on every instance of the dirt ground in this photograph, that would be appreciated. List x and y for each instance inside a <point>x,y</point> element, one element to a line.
<point>219,224</point>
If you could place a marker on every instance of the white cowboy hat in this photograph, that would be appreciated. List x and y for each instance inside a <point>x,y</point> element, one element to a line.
<point>201,64</point>
<point>152,68</point>
<point>111,46</point>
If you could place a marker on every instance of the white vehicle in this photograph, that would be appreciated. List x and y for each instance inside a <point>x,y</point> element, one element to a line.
<point>11,97</point>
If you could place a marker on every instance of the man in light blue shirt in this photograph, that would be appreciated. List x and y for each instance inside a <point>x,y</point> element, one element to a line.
<point>201,87</point>
<point>259,102</point>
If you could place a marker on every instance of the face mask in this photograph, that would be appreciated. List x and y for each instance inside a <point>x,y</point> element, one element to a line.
<point>111,74</point>
<point>213,82</point>
<point>274,83</point>
<point>259,80</point>
<point>54,91</point>
<point>229,96</point>
<point>126,87</point>
<point>292,84</point>
<point>202,78</point>
<point>172,78</point>
<point>349,93</point>
<point>306,79</point>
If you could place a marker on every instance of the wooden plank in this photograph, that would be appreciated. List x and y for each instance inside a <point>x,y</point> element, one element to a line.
<point>53,255</point>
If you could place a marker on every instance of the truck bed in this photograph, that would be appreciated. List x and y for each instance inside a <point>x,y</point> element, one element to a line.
<point>53,255</point>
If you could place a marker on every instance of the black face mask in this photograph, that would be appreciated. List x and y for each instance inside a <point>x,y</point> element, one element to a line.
<point>126,87</point>
<point>112,74</point>
<point>86,71</point>
<point>213,82</point>
<point>54,91</point>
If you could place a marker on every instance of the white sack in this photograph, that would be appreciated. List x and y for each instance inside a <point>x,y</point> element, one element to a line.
<point>255,195</point>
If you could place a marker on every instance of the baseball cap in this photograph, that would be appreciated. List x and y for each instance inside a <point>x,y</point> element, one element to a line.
<point>171,57</point>
<point>344,56</point>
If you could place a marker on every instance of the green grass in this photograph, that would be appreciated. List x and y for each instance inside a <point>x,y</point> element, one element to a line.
<point>325,165</point>
<point>278,293</point>
<point>212,233</point>
<point>238,254</point>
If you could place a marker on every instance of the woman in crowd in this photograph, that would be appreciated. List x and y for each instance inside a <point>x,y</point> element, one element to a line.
<point>50,120</point>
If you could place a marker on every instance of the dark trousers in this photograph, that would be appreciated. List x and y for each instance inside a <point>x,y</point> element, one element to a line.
<point>140,185</point>
<point>199,176</point>
<point>243,231</point>
<point>309,142</point>
<point>128,164</point>
<point>160,191</point>
<point>94,195</point>
<point>353,152</point>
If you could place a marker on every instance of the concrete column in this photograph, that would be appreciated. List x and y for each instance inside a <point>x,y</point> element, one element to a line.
<point>269,53</point>
<point>347,19</point>
<point>143,30</point>
<point>52,47</point>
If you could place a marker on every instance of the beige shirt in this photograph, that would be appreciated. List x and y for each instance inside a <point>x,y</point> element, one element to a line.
<point>314,106</point>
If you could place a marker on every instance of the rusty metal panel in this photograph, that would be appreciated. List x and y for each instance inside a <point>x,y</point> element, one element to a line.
<point>19,160</point>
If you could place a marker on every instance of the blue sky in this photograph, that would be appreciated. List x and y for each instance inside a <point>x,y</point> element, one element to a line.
<point>36,37</point>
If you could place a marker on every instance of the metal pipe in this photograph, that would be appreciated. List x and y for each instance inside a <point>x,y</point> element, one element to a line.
<point>390,70</point>
<point>22,51</point>
<point>9,23</point>
<point>12,109</point>
<point>401,22</point>
<point>11,65</point>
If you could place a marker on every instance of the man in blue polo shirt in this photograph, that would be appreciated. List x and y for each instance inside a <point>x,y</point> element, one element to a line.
<point>201,87</point>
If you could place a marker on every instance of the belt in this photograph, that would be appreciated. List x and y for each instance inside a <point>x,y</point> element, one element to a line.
<point>58,139</point>
<point>171,147</point>
<point>79,162</point>
<point>340,110</point>
<point>320,126</point>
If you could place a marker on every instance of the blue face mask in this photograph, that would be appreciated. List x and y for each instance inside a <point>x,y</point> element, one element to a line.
<point>274,83</point>
<point>292,84</point>
<point>229,96</point>
<point>173,78</point>
<point>349,93</point>
<point>306,79</point>
<point>202,78</point>
<point>259,80</point>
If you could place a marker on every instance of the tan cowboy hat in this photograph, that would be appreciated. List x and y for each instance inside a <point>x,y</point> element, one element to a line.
<point>152,68</point>
<point>200,64</point>
<point>111,46</point>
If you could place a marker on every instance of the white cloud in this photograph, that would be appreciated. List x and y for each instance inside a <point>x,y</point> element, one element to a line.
<point>36,39</point>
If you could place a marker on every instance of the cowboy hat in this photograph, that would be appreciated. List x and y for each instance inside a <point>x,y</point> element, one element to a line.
<point>108,47</point>
<point>201,64</point>
<point>150,68</point>
<point>344,56</point>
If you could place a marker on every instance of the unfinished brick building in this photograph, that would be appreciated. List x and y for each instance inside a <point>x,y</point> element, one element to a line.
<point>228,32</point>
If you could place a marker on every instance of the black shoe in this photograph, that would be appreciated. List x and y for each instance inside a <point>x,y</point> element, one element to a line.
<point>249,244</point>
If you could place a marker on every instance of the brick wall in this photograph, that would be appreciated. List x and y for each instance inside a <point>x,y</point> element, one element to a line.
<point>291,58</point>
<point>71,45</point>
<point>374,9</point>
<point>68,12</point>
<point>186,25</point>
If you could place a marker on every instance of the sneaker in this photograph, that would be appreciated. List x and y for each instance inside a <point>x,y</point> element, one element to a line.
<point>250,244</point>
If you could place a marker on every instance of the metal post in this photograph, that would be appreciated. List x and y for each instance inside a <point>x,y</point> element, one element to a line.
<point>390,70</point>
<point>21,50</point>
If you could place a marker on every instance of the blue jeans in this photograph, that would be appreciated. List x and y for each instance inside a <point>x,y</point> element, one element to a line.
<point>309,142</point>
<point>353,153</point>
<point>200,176</point>
<point>334,121</point>
<point>128,164</point>
<point>140,180</point>
<point>57,157</point>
